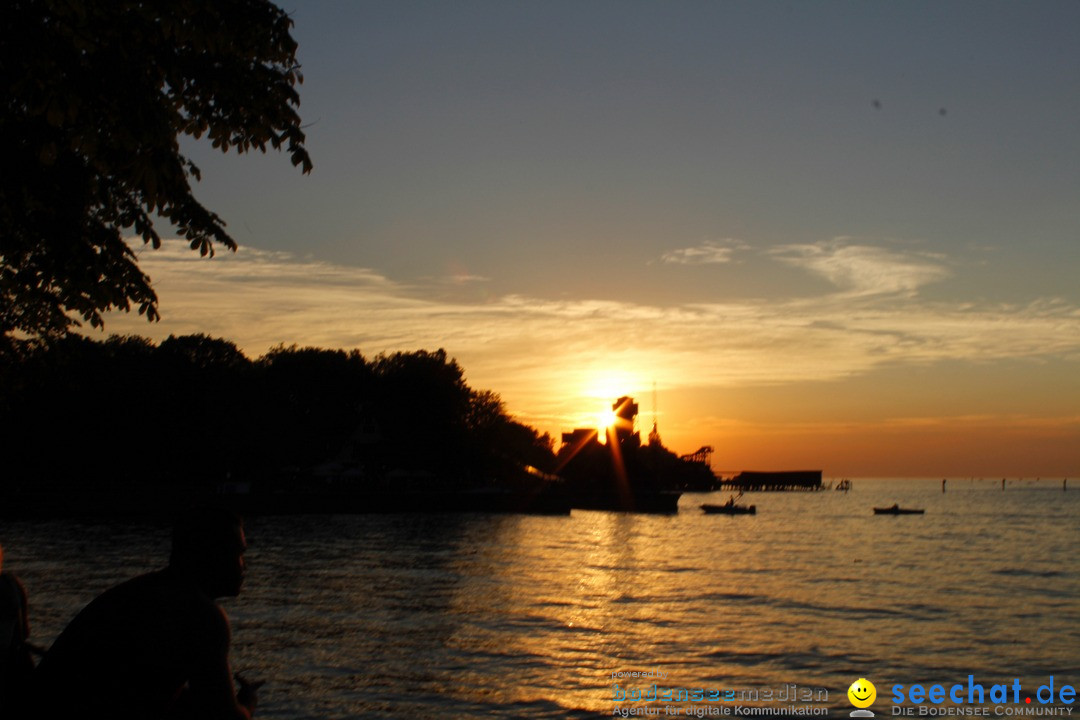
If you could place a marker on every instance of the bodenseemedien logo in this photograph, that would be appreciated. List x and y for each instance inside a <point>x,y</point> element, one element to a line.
<point>862,694</point>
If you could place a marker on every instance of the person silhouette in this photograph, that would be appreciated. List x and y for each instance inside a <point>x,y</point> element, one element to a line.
<point>16,662</point>
<point>156,645</point>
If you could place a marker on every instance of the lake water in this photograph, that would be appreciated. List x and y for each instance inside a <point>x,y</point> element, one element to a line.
<point>528,617</point>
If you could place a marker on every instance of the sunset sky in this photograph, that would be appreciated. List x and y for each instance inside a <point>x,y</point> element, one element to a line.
<point>834,235</point>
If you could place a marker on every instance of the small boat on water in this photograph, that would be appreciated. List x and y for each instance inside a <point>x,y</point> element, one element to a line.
<point>897,510</point>
<point>729,509</point>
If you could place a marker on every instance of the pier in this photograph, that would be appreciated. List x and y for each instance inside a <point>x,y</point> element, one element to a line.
<point>779,481</point>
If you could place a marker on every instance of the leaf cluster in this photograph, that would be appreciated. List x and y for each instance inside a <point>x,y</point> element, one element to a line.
<point>95,98</point>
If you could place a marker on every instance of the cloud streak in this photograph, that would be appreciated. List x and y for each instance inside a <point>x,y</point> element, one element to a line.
<point>707,253</point>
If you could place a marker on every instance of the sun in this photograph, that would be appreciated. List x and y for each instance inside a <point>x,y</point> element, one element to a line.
<point>606,420</point>
<point>600,389</point>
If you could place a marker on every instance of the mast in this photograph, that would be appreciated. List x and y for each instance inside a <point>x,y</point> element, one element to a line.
<point>654,436</point>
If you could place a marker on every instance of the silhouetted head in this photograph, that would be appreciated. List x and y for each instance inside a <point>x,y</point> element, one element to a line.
<point>208,546</point>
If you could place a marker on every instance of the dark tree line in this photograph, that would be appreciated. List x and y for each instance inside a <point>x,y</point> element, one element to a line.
<point>194,412</point>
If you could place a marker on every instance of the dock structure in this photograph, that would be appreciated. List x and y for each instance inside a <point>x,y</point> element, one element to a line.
<point>760,481</point>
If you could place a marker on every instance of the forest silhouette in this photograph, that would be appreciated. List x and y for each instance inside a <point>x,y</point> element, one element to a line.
<point>194,413</point>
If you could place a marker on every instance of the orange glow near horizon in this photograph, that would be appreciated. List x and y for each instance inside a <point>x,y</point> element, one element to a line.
<point>812,384</point>
<point>753,429</point>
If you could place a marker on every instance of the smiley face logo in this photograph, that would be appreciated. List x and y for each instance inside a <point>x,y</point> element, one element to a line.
<point>862,693</point>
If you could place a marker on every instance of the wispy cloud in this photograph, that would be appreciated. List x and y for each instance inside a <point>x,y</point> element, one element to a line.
<point>542,354</point>
<point>465,278</point>
<point>861,269</point>
<point>708,252</point>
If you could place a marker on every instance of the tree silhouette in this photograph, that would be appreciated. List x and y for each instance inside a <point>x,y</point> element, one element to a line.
<point>125,415</point>
<point>421,404</point>
<point>309,401</point>
<point>96,96</point>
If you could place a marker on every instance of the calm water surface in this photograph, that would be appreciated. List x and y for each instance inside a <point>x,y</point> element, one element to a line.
<point>518,616</point>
